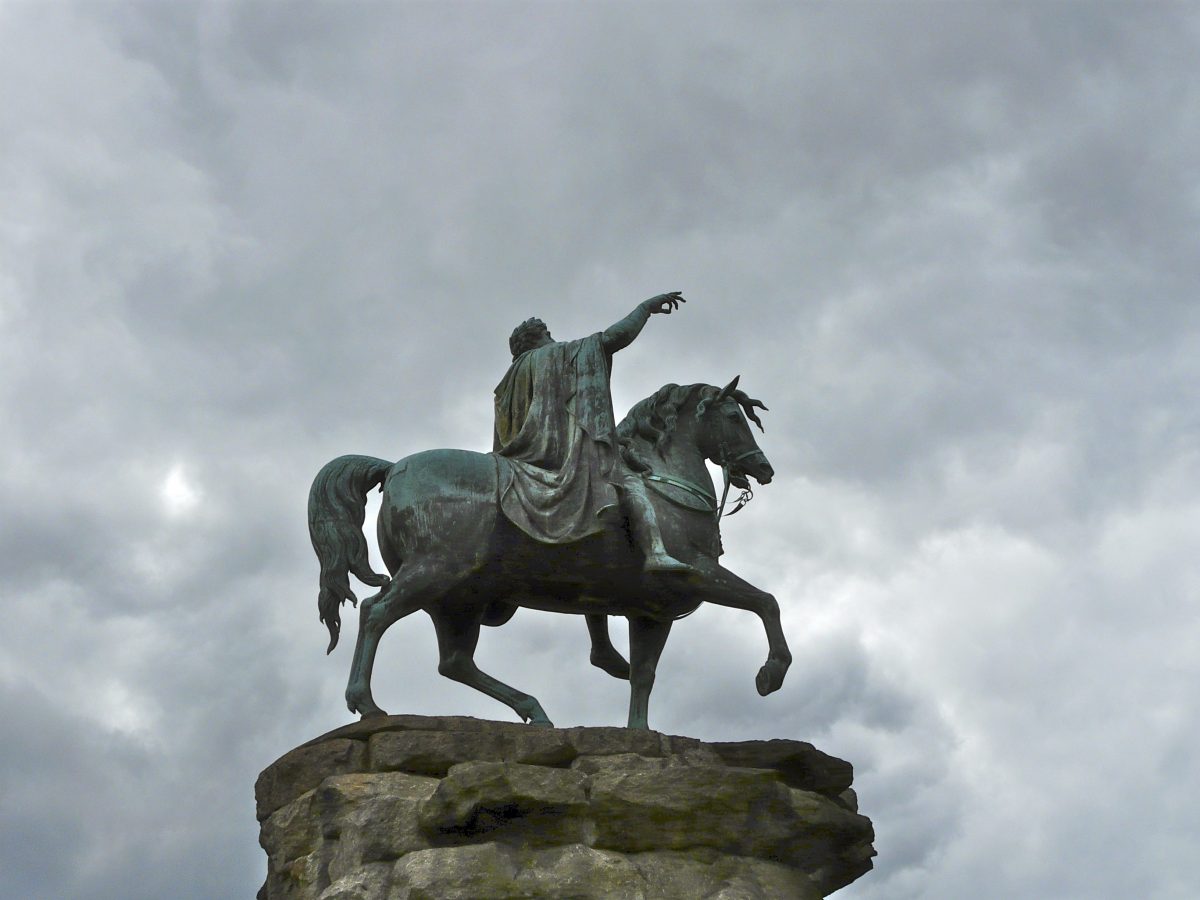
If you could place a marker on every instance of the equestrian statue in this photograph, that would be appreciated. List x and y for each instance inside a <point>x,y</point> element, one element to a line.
<point>569,513</point>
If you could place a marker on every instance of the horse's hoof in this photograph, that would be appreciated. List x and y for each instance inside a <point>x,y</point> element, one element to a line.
<point>613,663</point>
<point>769,678</point>
<point>364,706</point>
<point>535,716</point>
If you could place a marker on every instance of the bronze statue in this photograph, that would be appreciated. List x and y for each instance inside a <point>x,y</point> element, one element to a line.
<point>557,518</point>
<point>555,438</point>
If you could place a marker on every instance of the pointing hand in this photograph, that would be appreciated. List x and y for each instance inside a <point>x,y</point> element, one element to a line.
<point>663,303</point>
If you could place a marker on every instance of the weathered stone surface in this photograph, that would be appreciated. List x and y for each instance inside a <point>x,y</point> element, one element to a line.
<point>541,747</point>
<point>800,764</point>
<point>368,882</point>
<point>471,872</point>
<point>623,763</point>
<point>581,872</point>
<point>608,741</point>
<point>546,805</point>
<point>709,875</point>
<point>738,811</point>
<point>827,840</point>
<point>303,769</point>
<point>371,817</point>
<point>297,879</point>
<point>291,831</point>
<point>364,728</point>
<point>849,799</point>
<point>416,807</point>
<point>433,752</point>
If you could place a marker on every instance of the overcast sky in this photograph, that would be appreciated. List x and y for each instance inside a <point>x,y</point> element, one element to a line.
<point>953,247</point>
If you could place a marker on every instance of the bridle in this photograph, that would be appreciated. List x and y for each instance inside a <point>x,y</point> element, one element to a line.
<point>725,463</point>
<point>710,502</point>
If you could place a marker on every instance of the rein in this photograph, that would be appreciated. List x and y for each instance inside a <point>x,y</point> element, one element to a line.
<point>747,494</point>
<point>710,502</point>
<point>695,490</point>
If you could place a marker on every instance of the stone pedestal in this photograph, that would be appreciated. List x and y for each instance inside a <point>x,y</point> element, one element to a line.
<point>417,808</point>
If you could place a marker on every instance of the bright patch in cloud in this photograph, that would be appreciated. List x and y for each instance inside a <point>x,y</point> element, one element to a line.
<point>123,711</point>
<point>179,495</point>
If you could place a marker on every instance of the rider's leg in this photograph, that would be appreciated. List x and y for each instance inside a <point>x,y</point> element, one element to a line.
<point>644,524</point>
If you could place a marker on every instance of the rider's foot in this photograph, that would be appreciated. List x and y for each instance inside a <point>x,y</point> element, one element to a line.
<point>661,562</point>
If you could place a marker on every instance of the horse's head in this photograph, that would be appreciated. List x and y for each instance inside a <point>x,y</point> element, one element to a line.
<point>725,436</point>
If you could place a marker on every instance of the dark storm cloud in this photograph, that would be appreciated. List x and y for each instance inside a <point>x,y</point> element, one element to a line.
<point>951,247</point>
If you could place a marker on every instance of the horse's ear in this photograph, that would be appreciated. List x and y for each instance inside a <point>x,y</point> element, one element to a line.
<point>728,390</point>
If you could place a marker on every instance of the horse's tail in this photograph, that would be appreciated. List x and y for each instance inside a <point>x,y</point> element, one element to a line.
<point>337,508</point>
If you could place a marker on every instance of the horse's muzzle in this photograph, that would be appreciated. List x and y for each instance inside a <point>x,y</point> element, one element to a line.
<point>756,467</point>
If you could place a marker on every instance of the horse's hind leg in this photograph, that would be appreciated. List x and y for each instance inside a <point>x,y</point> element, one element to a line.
<point>456,646</point>
<point>411,589</point>
<point>604,654</point>
<point>647,637</point>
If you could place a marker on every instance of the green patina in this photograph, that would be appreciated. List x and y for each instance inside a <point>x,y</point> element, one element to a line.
<point>557,517</point>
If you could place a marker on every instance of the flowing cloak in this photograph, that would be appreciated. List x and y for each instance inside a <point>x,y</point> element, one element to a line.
<point>555,440</point>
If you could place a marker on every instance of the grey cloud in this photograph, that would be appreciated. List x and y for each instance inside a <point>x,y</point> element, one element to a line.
<point>951,247</point>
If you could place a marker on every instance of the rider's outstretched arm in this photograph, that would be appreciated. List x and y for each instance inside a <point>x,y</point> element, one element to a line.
<point>621,335</point>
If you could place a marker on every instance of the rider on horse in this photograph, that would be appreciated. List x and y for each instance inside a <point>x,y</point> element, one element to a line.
<point>555,438</point>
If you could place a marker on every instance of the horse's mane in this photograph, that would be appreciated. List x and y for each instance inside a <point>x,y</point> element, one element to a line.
<point>651,422</point>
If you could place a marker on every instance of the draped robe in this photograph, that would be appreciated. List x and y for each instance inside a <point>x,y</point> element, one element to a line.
<point>555,440</point>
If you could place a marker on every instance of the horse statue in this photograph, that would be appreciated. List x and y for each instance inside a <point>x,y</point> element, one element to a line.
<point>451,553</point>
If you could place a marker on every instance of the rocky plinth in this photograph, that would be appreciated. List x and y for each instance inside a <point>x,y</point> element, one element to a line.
<point>417,808</point>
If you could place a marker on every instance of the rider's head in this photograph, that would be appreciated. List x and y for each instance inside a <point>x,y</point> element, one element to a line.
<point>528,335</point>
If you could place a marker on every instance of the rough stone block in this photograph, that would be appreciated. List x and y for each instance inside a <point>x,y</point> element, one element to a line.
<point>541,747</point>
<point>801,765</point>
<point>416,808</point>
<point>678,808</point>
<point>609,741</point>
<point>690,752</point>
<point>298,879</point>
<point>433,752</point>
<point>364,728</point>
<point>303,769</point>
<point>849,799</point>
<point>579,872</point>
<point>830,841</point>
<point>622,763</point>
<point>291,831</point>
<point>707,875</point>
<point>502,800</point>
<point>472,872</point>
<point>370,882</point>
<point>371,817</point>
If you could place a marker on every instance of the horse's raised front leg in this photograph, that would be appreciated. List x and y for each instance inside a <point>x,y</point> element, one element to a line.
<point>456,646</point>
<point>646,640</point>
<point>722,587</point>
<point>604,654</point>
<point>410,590</point>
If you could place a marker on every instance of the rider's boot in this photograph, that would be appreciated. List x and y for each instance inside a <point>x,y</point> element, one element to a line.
<point>644,524</point>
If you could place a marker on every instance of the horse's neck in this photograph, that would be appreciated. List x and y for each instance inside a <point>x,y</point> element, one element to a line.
<point>683,459</point>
